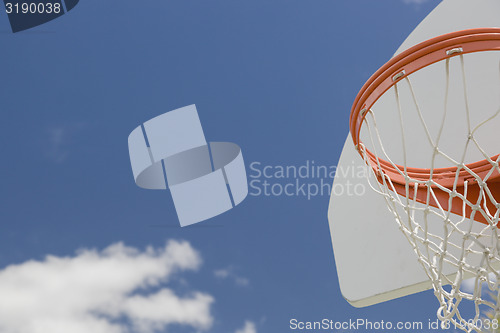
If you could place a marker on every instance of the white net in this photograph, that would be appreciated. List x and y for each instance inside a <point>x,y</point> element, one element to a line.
<point>460,255</point>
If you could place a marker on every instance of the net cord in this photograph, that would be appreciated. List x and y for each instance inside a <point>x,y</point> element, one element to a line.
<point>437,252</point>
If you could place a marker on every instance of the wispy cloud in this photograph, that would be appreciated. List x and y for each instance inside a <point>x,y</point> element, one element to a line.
<point>57,141</point>
<point>248,328</point>
<point>228,273</point>
<point>416,2</point>
<point>56,144</point>
<point>117,290</point>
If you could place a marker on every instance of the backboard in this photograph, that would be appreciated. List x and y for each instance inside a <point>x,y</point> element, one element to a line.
<point>375,263</point>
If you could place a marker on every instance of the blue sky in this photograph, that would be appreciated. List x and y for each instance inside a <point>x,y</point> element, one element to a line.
<point>276,77</point>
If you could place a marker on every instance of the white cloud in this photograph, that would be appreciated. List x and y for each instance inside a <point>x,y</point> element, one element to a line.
<point>242,281</point>
<point>228,273</point>
<point>248,328</point>
<point>222,273</point>
<point>117,290</point>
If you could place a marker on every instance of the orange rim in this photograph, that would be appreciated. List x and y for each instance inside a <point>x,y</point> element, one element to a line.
<point>404,64</point>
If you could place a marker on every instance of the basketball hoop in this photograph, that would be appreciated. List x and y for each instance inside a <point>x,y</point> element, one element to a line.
<point>460,194</point>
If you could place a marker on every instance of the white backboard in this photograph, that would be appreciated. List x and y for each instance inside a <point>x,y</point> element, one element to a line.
<point>375,263</point>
